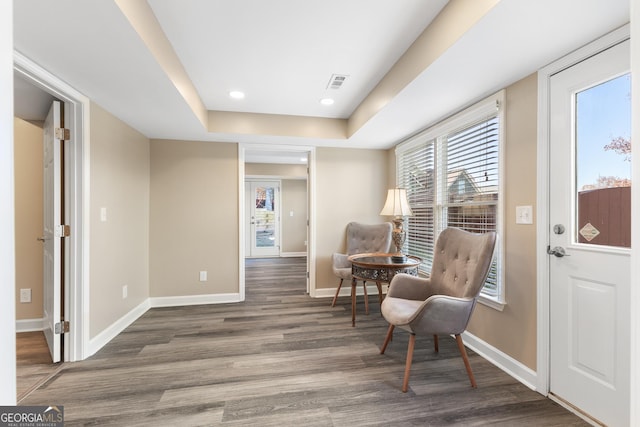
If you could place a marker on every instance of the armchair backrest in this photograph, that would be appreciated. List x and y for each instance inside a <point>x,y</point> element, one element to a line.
<point>461,262</point>
<point>363,238</point>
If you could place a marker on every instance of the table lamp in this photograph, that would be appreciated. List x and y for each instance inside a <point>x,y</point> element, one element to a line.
<point>397,206</point>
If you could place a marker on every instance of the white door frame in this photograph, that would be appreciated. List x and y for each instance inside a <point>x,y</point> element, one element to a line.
<point>542,230</point>
<point>77,197</point>
<point>635,204</point>
<point>311,250</point>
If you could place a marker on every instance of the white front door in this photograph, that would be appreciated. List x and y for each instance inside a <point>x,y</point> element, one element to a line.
<point>52,234</point>
<point>264,220</point>
<point>590,224</point>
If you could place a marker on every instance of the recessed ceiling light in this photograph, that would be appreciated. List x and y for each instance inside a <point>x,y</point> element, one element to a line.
<point>236,94</point>
<point>326,101</point>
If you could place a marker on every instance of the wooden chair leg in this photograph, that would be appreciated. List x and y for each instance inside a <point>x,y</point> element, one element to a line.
<point>407,366</point>
<point>353,302</point>
<point>467,365</point>
<point>435,343</point>
<point>387,339</point>
<point>335,298</point>
<point>380,297</point>
<point>366,297</point>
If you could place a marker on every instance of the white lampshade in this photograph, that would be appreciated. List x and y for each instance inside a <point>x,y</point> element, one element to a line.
<point>397,203</point>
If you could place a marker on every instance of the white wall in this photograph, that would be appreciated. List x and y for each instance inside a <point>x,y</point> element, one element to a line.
<point>7,244</point>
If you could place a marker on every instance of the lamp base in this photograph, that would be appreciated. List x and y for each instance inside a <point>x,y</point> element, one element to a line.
<point>398,235</point>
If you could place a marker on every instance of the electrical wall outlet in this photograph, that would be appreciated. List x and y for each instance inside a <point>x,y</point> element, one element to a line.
<point>25,295</point>
<point>203,276</point>
<point>125,291</point>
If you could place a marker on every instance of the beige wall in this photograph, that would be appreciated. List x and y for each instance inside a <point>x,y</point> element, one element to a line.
<point>28,216</point>
<point>194,218</point>
<point>351,185</point>
<point>294,215</point>
<point>274,170</point>
<point>119,247</point>
<point>391,168</point>
<point>513,331</point>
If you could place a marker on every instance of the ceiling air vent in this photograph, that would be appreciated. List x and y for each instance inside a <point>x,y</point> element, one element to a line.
<point>336,81</point>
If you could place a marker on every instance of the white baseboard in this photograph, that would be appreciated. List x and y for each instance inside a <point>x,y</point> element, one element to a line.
<point>345,290</point>
<point>29,325</point>
<point>292,254</point>
<point>517,370</point>
<point>121,324</point>
<point>115,328</point>
<point>193,300</point>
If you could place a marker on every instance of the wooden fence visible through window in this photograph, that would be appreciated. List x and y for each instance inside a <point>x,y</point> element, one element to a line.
<point>608,210</point>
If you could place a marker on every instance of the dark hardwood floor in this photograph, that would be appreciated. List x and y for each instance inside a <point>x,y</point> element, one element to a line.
<point>283,359</point>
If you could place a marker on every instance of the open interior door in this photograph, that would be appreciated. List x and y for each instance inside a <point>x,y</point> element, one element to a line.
<point>53,231</point>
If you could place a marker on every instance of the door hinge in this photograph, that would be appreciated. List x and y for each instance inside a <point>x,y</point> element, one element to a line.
<point>61,327</point>
<point>62,134</point>
<point>63,230</point>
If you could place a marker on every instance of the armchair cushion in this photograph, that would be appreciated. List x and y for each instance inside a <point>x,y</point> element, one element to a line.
<point>400,311</point>
<point>411,298</point>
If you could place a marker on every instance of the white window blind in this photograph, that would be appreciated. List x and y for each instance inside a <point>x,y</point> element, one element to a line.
<point>469,189</point>
<point>452,176</point>
<point>416,175</point>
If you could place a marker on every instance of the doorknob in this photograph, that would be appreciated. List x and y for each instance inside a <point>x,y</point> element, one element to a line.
<point>42,239</point>
<point>558,251</point>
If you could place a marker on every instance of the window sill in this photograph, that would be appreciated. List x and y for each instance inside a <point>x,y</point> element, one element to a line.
<point>491,302</point>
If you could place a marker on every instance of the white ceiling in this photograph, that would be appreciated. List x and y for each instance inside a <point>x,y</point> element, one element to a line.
<point>282,53</point>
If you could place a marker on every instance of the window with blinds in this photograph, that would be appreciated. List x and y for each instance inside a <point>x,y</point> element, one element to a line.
<point>452,176</point>
<point>469,188</point>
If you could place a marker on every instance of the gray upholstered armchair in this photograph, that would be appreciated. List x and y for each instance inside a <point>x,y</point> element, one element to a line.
<point>361,238</point>
<point>443,303</point>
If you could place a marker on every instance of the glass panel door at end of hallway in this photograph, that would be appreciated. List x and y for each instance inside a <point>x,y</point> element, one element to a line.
<point>265,218</point>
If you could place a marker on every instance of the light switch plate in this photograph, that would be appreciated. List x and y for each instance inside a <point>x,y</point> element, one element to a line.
<point>524,215</point>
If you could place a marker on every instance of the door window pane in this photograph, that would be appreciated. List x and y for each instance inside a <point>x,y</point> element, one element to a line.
<point>265,217</point>
<point>603,163</point>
